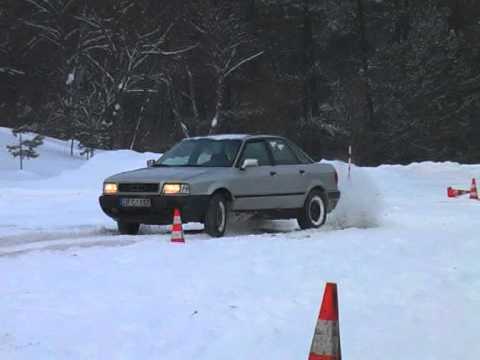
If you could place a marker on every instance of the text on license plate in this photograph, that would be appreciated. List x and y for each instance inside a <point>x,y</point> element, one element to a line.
<point>136,203</point>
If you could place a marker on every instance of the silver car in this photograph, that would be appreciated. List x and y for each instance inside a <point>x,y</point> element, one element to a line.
<point>210,178</point>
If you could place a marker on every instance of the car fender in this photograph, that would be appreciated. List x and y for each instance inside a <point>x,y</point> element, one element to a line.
<point>219,186</point>
<point>313,185</point>
<point>208,187</point>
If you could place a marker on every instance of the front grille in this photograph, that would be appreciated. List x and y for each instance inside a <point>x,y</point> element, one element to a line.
<point>138,188</point>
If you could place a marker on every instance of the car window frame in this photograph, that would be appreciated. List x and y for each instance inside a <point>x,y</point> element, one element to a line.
<point>243,147</point>
<point>286,142</point>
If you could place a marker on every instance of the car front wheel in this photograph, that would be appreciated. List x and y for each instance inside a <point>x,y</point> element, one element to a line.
<point>128,228</point>
<point>314,211</point>
<point>217,216</point>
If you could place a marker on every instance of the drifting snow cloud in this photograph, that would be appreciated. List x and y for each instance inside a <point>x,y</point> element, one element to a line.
<point>361,202</point>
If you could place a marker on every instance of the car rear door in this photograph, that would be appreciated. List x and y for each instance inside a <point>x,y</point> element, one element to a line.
<point>289,171</point>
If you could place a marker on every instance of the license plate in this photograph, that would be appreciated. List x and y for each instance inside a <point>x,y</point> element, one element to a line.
<point>136,203</point>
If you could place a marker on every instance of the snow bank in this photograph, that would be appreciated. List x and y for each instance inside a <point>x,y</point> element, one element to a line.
<point>56,169</point>
<point>54,158</point>
<point>451,173</point>
<point>57,193</point>
<point>92,173</point>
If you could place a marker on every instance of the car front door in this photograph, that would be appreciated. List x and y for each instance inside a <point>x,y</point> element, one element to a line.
<point>254,187</point>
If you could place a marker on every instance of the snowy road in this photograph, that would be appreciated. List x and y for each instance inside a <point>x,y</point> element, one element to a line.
<point>408,274</point>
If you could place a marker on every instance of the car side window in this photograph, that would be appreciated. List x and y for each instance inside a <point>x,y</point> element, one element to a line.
<point>282,154</point>
<point>256,150</point>
<point>302,156</point>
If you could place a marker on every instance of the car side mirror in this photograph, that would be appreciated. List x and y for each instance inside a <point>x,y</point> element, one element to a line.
<point>150,163</point>
<point>249,163</point>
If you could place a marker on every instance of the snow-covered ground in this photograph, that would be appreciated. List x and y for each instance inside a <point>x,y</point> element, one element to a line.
<point>406,260</point>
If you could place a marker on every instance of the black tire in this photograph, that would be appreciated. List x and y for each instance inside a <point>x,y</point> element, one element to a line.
<point>128,228</point>
<point>314,211</point>
<point>216,218</point>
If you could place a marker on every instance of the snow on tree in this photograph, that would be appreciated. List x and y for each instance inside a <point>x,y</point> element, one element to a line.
<point>123,63</point>
<point>142,74</point>
<point>226,45</point>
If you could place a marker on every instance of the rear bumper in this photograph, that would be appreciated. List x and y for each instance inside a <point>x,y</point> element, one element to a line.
<point>333,199</point>
<point>193,209</point>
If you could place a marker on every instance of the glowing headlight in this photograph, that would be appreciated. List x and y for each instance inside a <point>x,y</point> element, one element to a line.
<point>170,189</point>
<point>110,188</point>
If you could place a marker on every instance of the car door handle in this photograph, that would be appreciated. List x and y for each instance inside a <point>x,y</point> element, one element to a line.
<point>301,172</point>
<point>273,173</point>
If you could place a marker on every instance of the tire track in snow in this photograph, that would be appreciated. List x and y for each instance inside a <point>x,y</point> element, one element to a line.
<point>62,245</point>
<point>94,236</point>
<point>64,239</point>
<point>28,237</point>
<point>87,237</point>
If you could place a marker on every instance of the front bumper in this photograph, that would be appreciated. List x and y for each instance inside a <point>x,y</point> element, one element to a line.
<point>192,207</point>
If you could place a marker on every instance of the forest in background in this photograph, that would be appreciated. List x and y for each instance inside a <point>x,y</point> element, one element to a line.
<point>399,80</point>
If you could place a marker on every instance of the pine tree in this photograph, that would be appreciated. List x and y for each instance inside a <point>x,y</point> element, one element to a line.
<point>26,148</point>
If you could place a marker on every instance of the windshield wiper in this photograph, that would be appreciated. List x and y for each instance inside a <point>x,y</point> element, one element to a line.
<point>160,165</point>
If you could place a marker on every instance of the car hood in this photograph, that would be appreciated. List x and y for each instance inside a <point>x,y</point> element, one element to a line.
<point>157,175</point>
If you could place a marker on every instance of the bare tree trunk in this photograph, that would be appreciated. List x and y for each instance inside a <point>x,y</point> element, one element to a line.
<point>134,139</point>
<point>219,104</point>
<point>72,141</point>
<point>176,113</point>
<point>139,121</point>
<point>368,127</point>
<point>308,63</point>
<point>193,98</point>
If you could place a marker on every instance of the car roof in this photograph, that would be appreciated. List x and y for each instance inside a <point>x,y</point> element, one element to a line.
<point>233,137</point>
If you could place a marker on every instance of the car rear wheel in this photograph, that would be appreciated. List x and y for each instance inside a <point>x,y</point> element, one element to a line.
<point>314,211</point>
<point>128,228</point>
<point>217,216</point>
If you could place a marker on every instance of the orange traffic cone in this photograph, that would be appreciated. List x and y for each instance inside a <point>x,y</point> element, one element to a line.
<point>177,228</point>
<point>473,190</point>
<point>453,193</point>
<point>326,340</point>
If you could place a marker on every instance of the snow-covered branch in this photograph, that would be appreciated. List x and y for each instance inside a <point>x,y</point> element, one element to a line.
<point>241,62</point>
<point>171,52</point>
<point>11,71</point>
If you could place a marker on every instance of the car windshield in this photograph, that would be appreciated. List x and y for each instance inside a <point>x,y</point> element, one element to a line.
<point>201,153</point>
